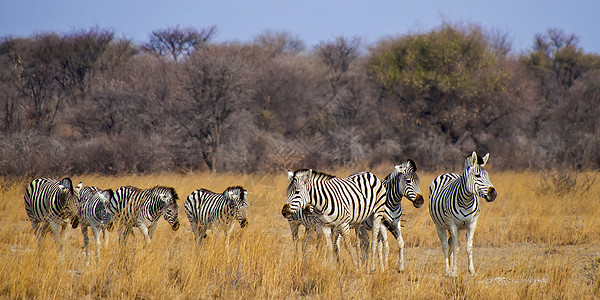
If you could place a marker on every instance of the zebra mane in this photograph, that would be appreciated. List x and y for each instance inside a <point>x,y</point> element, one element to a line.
<point>165,188</point>
<point>238,188</point>
<point>315,174</point>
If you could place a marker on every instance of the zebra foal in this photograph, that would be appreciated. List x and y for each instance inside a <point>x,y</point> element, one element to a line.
<point>454,206</point>
<point>94,213</point>
<point>51,204</point>
<point>206,209</point>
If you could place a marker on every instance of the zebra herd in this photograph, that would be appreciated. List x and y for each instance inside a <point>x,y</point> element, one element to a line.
<point>322,203</point>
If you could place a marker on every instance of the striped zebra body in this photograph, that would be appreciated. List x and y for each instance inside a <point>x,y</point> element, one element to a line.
<point>51,204</point>
<point>119,201</point>
<point>94,213</point>
<point>454,206</point>
<point>340,203</point>
<point>143,208</point>
<point>206,209</point>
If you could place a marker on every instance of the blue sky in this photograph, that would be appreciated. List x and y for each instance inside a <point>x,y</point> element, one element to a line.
<point>312,21</point>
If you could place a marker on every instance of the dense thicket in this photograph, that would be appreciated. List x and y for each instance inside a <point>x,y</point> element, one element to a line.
<point>88,102</point>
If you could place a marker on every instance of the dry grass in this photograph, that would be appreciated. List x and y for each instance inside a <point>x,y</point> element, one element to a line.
<point>530,243</point>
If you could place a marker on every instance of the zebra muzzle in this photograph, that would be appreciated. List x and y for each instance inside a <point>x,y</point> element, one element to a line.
<point>286,211</point>
<point>419,200</point>
<point>491,195</point>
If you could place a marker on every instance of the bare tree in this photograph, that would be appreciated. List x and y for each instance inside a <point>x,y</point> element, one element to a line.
<point>177,42</point>
<point>279,42</point>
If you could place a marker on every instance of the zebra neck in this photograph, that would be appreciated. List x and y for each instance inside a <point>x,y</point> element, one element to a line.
<point>464,199</point>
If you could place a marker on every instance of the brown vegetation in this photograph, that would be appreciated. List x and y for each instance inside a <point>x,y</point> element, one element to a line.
<point>88,102</point>
<point>539,239</point>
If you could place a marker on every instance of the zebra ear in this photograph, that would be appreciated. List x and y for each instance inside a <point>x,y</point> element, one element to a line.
<point>400,168</point>
<point>473,158</point>
<point>411,165</point>
<point>485,159</point>
<point>290,175</point>
<point>245,194</point>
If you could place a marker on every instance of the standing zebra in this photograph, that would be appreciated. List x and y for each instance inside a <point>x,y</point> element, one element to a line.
<point>402,182</point>
<point>206,209</point>
<point>94,213</point>
<point>144,208</point>
<point>340,203</point>
<point>50,203</point>
<point>454,206</point>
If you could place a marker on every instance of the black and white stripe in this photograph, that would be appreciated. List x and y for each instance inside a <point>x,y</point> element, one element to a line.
<point>454,206</point>
<point>51,204</point>
<point>206,209</point>
<point>143,208</point>
<point>339,203</point>
<point>94,213</point>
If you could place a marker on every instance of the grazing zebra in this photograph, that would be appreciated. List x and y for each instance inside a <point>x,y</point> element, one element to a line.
<point>50,203</point>
<point>340,203</point>
<point>454,206</point>
<point>143,208</point>
<point>206,209</point>
<point>94,213</point>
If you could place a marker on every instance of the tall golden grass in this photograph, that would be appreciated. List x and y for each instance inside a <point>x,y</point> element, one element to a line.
<point>532,242</point>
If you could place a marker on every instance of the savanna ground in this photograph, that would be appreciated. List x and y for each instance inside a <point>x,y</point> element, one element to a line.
<point>540,239</point>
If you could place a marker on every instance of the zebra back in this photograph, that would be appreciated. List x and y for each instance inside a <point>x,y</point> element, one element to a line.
<point>49,200</point>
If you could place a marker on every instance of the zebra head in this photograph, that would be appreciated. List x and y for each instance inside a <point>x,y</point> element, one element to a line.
<point>238,204</point>
<point>477,179</point>
<point>407,182</point>
<point>169,197</point>
<point>71,197</point>
<point>297,194</point>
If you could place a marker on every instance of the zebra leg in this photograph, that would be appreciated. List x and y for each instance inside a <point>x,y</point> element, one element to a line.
<point>96,234</point>
<point>294,226</point>
<point>344,231</point>
<point>57,234</point>
<point>374,240</point>
<point>144,231</point>
<point>470,233</point>
<point>397,232</point>
<point>454,245</point>
<point>363,238</point>
<point>443,235</point>
<point>152,229</point>
<point>383,243</point>
<point>201,234</point>
<point>328,239</point>
<point>228,234</point>
<point>86,241</point>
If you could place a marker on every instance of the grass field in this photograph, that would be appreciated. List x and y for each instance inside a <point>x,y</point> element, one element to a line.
<point>540,239</point>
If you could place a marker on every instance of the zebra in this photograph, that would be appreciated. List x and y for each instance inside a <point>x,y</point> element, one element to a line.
<point>340,203</point>
<point>454,206</point>
<point>206,209</point>
<point>311,223</point>
<point>144,207</point>
<point>402,182</point>
<point>51,204</point>
<point>94,213</point>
